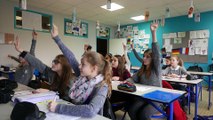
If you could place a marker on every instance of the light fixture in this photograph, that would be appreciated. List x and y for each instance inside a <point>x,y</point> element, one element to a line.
<point>167,12</point>
<point>23,4</point>
<point>74,15</point>
<point>138,18</point>
<point>18,18</point>
<point>97,25</point>
<point>108,4</point>
<point>114,6</point>
<point>119,27</point>
<point>191,9</point>
<point>146,15</point>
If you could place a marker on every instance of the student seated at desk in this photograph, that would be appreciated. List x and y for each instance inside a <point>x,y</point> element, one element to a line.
<point>149,74</point>
<point>120,72</point>
<point>167,62</point>
<point>90,89</point>
<point>175,70</point>
<point>59,77</point>
<point>24,71</point>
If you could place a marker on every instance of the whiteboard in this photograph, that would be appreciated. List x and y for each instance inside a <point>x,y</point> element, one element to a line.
<point>116,47</point>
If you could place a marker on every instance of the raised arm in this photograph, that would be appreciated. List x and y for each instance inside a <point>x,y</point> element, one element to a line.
<point>135,53</point>
<point>155,49</point>
<point>14,58</point>
<point>33,44</point>
<point>67,52</point>
<point>126,57</point>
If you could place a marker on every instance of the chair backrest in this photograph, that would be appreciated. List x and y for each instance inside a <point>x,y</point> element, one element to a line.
<point>107,111</point>
<point>210,68</point>
<point>196,68</point>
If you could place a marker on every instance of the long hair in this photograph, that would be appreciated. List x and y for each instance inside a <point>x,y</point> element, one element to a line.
<point>144,68</point>
<point>104,68</point>
<point>61,82</point>
<point>121,66</point>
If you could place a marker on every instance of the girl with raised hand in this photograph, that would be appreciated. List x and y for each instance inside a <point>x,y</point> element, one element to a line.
<point>90,89</point>
<point>58,78</point>
<point>149,74</point>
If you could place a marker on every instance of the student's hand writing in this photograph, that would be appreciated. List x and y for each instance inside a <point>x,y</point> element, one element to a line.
<point>52,105</point>
<point>34,35</point>
<point>54,31</point>
<point>17,44</point>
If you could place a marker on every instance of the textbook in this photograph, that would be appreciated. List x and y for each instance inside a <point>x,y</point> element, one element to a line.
<point>28,96</point>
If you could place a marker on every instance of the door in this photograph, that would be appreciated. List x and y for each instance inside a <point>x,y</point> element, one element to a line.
<point>102,46</point>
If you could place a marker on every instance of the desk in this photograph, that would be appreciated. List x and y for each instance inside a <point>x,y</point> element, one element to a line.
<point>6,109</point>
<point>10,73</point>
<point>209,75</point>
<point>191,82</point>
<point>143,90</point>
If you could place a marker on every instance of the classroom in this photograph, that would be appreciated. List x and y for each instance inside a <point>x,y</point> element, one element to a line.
<point>67,27</point>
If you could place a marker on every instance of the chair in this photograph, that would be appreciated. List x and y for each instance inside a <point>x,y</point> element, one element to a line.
<point>107,111</point>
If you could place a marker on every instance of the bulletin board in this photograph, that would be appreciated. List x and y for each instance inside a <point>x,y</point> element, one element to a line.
<point>78,29</point>
<point>6,38</point>
<point>103,32</point>
<point>191,46</point>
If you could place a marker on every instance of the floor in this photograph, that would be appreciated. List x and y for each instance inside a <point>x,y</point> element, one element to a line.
<point>202,107</point>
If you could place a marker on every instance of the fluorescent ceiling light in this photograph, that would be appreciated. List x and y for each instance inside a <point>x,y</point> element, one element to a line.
<point>137,18</point>
<point>114,6</point>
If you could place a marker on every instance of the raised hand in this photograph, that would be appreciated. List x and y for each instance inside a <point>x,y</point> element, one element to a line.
<point>124,47</point>
<point>17,44</point>
<point>85,47</point>
<point>154,27</point>
<point>34,35</point>
<point>54,31</point>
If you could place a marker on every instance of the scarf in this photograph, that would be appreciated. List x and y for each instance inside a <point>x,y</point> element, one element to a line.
<point>83,87</point>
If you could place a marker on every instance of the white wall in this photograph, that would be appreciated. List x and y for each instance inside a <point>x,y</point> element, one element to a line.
<point>46,49</point>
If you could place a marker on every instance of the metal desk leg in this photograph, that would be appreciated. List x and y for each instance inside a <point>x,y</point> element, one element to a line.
<point>171,111</point>
<point>196,101</point>
<point>210,89</point>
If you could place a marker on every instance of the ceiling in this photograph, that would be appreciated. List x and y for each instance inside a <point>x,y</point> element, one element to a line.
<point>91,10</point>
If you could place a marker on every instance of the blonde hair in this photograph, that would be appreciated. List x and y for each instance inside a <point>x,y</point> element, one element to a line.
<point>103,65</point>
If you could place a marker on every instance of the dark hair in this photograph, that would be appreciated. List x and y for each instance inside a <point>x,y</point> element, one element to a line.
<point>163,49</point>
<point>89,47</point>
<point>60,83</point>
<point>121,66</point>
<point>144,68</point>
<point>104,67</point>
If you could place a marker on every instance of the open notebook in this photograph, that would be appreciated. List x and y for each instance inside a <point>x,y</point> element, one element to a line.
<point>28,96</point>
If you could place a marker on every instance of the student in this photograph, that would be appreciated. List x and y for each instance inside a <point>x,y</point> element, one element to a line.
<point>87,48</point>
<point>108,57</point>
<point>120,73</point>
<point>168,62</point>
<point>126,58</point>
<point>90,90</point>
<point>175,70</point>
<point>149,74</point>
<point>24,71</point>
<point>59,77</point>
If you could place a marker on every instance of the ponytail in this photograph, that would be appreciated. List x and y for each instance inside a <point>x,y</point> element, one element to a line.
<point>107,73</point>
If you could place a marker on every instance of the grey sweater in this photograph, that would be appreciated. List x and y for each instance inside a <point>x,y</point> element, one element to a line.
<point>24,73</point>
<point>93,105</point>
<point>155,77</point>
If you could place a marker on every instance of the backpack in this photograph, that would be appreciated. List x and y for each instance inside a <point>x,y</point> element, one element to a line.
<point>6,90</point>
<point>196,68</point>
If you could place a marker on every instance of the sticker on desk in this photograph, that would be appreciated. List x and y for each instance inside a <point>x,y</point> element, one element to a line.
<point>161,96</point>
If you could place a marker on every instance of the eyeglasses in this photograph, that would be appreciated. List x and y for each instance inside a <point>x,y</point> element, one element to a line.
<point>55,61</point>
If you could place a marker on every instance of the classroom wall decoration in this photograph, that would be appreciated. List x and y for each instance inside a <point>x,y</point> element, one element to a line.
<point>6,38</point>
<point>138,37</point>
<point>191,46</point>
<point>103,32</point>
<point>78,29</point>
<point>29,20</point>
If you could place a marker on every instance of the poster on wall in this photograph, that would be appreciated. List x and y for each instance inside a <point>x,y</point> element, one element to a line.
<point>78,29</point>
<point>103,32</point>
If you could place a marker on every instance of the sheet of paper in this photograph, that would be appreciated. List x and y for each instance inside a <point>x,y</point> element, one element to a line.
<point>167,42</point>
<point>181,34</point>
<point>142,88</point>
<point>55,116</point>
